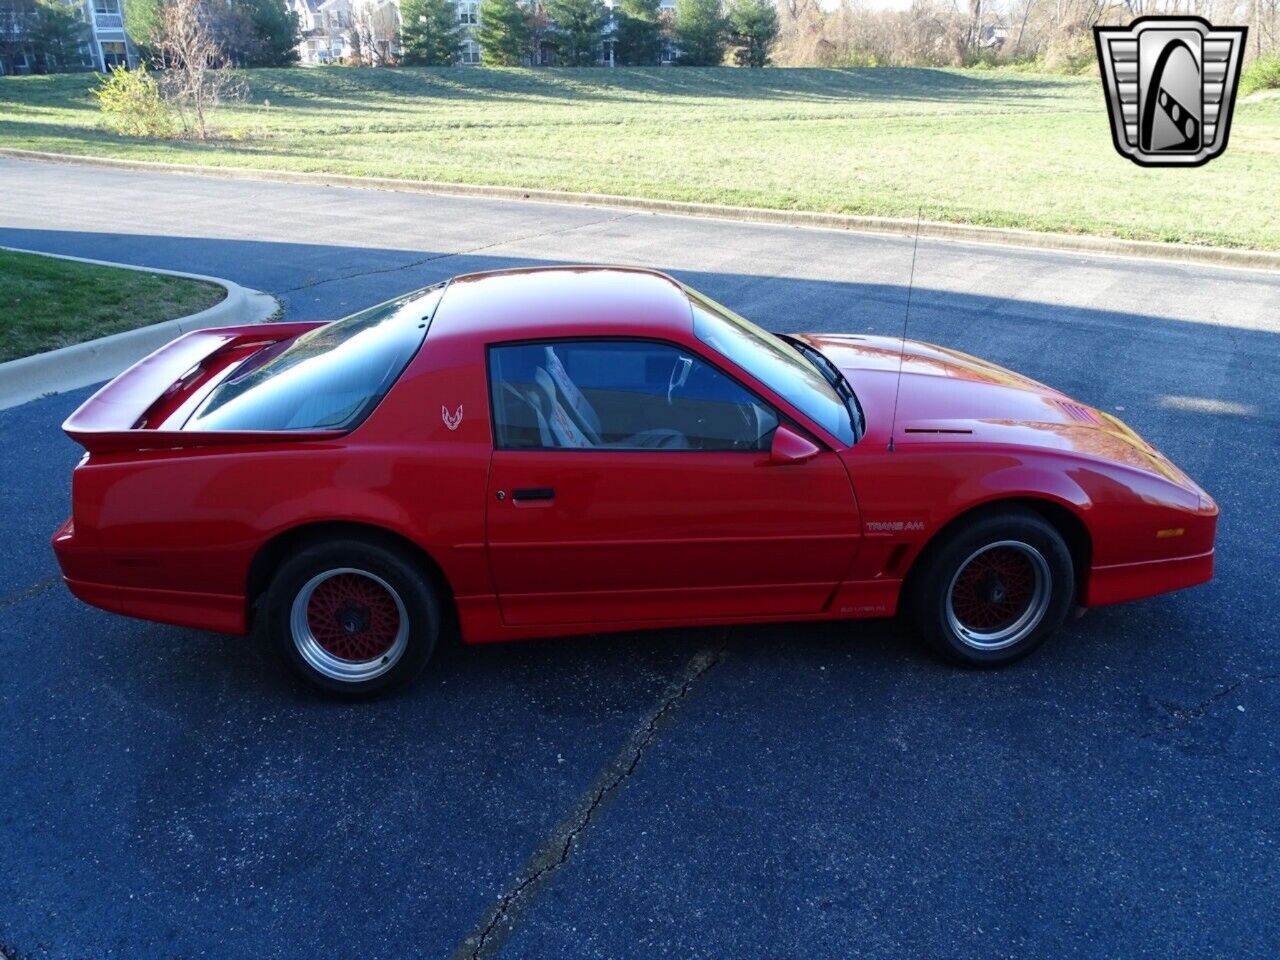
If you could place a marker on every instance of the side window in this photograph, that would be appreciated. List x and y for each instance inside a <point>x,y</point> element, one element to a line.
<point>620,395</point>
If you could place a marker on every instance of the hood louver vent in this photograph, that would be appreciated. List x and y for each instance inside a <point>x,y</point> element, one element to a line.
<point>1078,412</point>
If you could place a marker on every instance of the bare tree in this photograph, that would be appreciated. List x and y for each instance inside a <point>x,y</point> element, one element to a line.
<point>949,32</point>
<point>1022,26</point>
<point>973,29</point>
<point>372,35</point>
<point>196,79</point>
<point>356,42</point>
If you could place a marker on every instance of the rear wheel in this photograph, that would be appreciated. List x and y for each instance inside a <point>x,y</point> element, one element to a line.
<point>994,590</point>
<point>353,618</point>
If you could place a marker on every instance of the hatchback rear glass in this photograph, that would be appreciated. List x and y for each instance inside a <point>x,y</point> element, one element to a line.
<point>329,378</point>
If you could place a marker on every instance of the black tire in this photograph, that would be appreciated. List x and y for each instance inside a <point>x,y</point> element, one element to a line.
<point>381,605</point>
<point>978,620</point>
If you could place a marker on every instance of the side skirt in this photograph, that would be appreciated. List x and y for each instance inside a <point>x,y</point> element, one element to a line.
<point>480,617</point>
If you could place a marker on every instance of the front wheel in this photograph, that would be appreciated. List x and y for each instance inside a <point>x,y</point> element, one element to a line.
<point>994,590</point>
<point>353,618</point>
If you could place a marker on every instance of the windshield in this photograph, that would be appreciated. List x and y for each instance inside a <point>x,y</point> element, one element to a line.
<point>772,361</point>
<point>329,378</point>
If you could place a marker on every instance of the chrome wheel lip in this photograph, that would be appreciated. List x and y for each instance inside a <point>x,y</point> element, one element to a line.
<point>321,660</point>
<point>1021,628</point>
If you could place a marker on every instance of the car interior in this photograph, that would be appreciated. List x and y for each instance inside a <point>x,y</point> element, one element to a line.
<point>620,394</point>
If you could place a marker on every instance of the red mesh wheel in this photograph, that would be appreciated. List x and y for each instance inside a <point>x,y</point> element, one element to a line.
<point>994,589</point>
<point>353,617</point>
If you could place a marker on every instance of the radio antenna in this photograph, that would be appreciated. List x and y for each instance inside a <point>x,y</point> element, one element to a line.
<point>906,318</point>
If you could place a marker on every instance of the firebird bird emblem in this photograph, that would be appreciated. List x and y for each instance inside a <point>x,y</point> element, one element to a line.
<point>451,420</point>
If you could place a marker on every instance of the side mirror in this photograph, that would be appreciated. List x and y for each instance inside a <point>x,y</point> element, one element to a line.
<point>790,447</point>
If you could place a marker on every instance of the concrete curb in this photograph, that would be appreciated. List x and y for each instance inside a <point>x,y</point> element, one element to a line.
<point>930,229</point>
<point>82,364</point>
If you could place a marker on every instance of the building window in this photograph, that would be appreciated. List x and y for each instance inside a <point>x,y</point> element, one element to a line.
<point>106,6</point>
<point>469,12</point>
<point>470,52</point>
<point>114,54</point>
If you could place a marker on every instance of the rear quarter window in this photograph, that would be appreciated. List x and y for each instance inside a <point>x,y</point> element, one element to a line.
<point>329,378</point>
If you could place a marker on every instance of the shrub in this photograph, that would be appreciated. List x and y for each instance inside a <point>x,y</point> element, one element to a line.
<point>131,104</point>
<point>1071,51</point>
<point>1262,74</point>
<point>859,59</point>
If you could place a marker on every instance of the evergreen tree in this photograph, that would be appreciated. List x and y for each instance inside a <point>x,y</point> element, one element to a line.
<point>503,33</point>
<point>700,32</point>
<point>578,26</point>
<point>753,28</point>
<point>275,29</point>
<point>58,36</point>
<point>430,34</point>
<point>638,33</point>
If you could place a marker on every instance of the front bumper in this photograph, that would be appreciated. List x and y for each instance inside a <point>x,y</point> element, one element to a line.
<point>1133,581</point>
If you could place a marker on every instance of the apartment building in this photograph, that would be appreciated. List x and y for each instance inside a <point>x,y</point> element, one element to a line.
<point>335,31</point>
<point>104,44</point>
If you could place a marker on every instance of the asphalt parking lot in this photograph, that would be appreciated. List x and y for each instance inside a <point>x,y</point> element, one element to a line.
<point>819,791</point>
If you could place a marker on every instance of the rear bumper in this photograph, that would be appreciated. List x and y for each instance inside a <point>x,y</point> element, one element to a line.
<point>202,611</point>
<point>1133,581</point>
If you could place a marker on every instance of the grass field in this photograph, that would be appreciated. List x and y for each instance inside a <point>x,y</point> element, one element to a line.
<point>986,147</point>
<point>49,303</point>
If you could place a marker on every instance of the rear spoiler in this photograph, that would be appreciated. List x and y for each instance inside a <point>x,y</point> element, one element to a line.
<point>112,420</point>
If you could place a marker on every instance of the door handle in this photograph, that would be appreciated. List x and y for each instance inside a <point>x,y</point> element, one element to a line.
<point>533,493</point>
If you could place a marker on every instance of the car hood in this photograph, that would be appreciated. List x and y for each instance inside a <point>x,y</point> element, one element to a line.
<point>946,396</point>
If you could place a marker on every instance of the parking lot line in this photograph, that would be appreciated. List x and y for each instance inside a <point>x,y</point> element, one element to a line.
<point>34,590</point>
<point>491,933</point>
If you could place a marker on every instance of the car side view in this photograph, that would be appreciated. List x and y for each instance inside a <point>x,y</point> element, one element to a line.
<point>559,451</point>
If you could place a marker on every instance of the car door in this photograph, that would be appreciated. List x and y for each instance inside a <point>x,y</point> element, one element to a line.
<point>631,480</point>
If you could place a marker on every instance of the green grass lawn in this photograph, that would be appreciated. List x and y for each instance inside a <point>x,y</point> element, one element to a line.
<point>987,147</point>
<point>47,303</point>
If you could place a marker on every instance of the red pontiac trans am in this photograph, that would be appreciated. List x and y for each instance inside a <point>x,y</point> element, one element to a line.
<point>575,450</point>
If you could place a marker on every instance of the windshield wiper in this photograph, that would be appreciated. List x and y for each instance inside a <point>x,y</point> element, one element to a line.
<point>831,373</point>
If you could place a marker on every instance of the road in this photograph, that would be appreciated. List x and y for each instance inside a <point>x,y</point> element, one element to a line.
<point>818,791</point>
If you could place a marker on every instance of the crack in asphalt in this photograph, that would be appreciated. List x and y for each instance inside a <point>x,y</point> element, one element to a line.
<point>499,921</point>
<point>1186,713</point>
<point>32,591</point>
<point>457,253</point>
